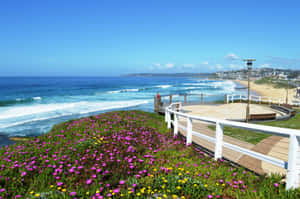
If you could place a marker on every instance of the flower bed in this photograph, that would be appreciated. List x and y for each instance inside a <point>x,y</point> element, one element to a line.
<point>125,154</point>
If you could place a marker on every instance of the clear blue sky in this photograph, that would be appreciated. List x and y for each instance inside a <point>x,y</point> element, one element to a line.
<point>57,37</point>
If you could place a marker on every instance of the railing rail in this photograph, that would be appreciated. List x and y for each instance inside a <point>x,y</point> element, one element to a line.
<point>259,99</point>
<point>292,166</point>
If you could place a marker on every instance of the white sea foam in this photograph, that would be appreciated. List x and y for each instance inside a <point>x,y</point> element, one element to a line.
<point>163,86</point>
<point>36,98</point>
<point>60,109</point>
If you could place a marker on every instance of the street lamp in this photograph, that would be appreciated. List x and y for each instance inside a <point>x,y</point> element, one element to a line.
<point>249,65</point>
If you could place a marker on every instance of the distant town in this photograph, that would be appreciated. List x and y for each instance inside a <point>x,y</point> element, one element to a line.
<point>257,74</point>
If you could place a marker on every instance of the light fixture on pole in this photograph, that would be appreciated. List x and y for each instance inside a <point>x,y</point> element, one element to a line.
<point>249,65</point>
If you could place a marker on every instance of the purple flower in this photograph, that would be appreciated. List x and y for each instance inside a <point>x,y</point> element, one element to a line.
<point>2,190</point>
<point>89,181</point>
<point>276,184</point>
<point>122,182</point>
<point>116,190</point>
<point>24,173</point>
<point>209,196</point>
<point>59,183</point>
<point>73,193</point>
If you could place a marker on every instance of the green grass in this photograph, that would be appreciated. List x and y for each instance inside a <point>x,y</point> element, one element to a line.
<point>274,83</point>
<point>124,154</point>
<point>255,137</point>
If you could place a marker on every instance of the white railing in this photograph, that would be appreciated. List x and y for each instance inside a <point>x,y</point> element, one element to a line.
<point>255,98</point>
<point>292,166</point>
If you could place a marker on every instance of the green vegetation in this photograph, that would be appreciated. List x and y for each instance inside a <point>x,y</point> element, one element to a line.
<point>124,154</point>
<point>274,83</point>
<point>255,137</point>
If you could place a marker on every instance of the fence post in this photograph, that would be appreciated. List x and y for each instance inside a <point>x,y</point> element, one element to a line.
<point>166,115</point>
<point>169,120</point>
<point>175,124</point>
<point>201,98</point>
<point>293,170</point>
<point>155,104</point>
<point>219,141</point>
<point>170,99</point>
<point>225,99</point>
<point>189,131</point>
<point>185,101</point>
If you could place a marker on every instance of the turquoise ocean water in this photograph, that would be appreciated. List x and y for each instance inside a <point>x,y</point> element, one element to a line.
<point>30,106</point>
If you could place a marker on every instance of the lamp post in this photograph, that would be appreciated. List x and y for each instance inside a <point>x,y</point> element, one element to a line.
<point>287,92</point>
<point>249,65</point>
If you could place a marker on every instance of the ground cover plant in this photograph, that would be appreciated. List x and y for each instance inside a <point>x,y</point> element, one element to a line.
<point>124,154</point>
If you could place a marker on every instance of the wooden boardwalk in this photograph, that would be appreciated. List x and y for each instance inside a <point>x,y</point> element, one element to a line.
<point>266,146</point>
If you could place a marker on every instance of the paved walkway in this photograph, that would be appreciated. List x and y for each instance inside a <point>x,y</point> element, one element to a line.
<point>236,111</point>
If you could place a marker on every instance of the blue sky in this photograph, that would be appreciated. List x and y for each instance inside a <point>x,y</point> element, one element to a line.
<point>100,37</point>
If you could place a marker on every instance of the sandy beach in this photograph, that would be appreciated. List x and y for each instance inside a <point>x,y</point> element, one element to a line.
<point>269,91</point>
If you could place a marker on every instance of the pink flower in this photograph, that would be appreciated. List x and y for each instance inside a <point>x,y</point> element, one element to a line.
<point>59,183</point>
<point>276,184</point>
<point>24,173</point>
<point>116,190</point>
<point>122,182</point>
<point>89,181</point>
<point>73,193</point>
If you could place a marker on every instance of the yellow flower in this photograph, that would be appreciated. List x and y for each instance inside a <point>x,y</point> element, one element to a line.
<point>138,194</point>
<point>182,197</point>
<point>97,191</point>
<point>87,193</point>
<point>121,195</point>
<point>217,184</point>
<point>162,186</point>
<point>151,176</point>
<point>165,196</point>
<point>165,181</point>
<point>154,169</point>
<point>64,190</point>
<point>223,185</point>
<point>159,198</point>
<point>174,196</point>
<point>129,192</point>
<point>178,187</point>
<point>51,186</point>
<point>31,192</point>
<point>205,185</point>
<point>195,185</point>
<point>37,195</point>
<point>179,174</point>
<point>58,188</point>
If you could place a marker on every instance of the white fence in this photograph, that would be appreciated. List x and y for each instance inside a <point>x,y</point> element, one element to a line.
<point>292,166</point>
<point>261,99</point>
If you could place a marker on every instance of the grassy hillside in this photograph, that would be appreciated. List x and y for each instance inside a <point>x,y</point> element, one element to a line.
<point>125,154</point>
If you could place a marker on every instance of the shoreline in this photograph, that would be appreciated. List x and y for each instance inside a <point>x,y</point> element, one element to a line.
<point>267,90</point>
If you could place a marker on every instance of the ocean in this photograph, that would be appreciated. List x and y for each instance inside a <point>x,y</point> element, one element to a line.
<point>30,106</point>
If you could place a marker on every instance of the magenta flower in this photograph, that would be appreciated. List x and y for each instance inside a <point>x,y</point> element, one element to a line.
<point>116,190</point>
<point>24,173</point>
<point>209,196</point>
<point>59,184</point>
<point>89,181</point>
<point>122,182</point>
<point>276,184</point>
<point>73,193</point>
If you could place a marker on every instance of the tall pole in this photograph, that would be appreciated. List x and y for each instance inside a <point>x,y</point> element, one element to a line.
<point>287,93</point>
<point>249,65</point>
